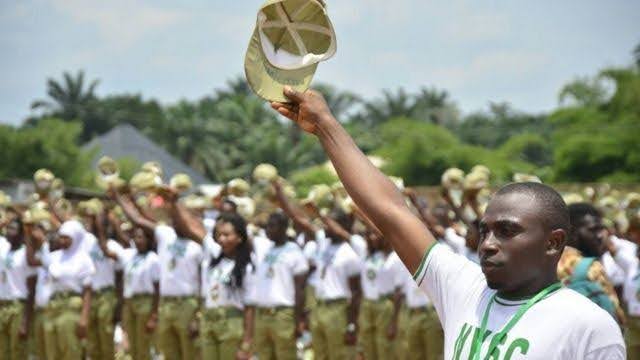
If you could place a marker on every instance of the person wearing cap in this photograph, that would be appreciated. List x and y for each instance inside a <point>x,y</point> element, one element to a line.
<point>338,289</point>
<point>17,291</point>
<point>227,274</point>
<point>278,293</point>
<point>513,299</point>
<point>105,304</point>
<point>141,289</point>
<point>38,229</point>
<point>180,260</point>
<point>70,271</point>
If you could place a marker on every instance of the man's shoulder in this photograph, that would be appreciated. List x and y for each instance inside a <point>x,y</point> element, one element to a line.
<point>579,311</point>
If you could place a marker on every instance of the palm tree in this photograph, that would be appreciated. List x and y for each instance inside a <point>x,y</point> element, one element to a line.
<point>636,55</point>
<point>341,103</point>
<point>67,98</point>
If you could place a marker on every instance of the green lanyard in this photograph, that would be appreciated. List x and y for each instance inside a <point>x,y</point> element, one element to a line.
<point>477,342</point>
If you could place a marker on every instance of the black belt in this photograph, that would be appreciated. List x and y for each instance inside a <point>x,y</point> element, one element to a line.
<point>327,302</point>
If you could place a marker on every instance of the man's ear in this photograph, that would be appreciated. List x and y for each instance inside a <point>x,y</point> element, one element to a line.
<point>556,242</point>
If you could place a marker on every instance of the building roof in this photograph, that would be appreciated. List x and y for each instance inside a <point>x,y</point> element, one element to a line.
<point>125,141</point>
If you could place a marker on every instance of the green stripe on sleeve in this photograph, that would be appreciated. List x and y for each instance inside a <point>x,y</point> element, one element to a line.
<point>424,261</point>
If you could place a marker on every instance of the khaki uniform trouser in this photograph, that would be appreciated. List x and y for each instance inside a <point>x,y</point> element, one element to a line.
<point>274,336</point>
<point>375,316</point>
<point>328,328</point>
<point>62,315</point>
<point>100,344</point>
<point>632,337</point>
<point>11,345</point>
<point>174,316</point>
<point>425,338</point>
<point>135,314</point>
<point>37,346</point>
<point>221,331</point>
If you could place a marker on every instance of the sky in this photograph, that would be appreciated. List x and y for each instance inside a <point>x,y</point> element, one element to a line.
<point>480,51</point>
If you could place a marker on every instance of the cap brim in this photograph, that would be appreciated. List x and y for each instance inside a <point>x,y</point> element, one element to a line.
<point>268,81</point>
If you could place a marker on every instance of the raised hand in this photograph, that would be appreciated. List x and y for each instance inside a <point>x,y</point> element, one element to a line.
<point>309,109</point>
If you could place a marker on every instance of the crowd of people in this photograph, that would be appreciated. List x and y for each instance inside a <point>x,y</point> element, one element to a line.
<point>249,270</point>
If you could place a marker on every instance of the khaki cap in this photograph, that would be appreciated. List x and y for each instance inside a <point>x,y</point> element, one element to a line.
<point>475,180</point>
<point>238,187</point>
<point>572,198</point>
<point>320,195</point>
<point>265,173</point>
<point>43,179</point>
<point>145,181</point>
<point>153,167</point>
<point>181,182</point>
<point>290,38</point>
<point>522,177</point>
<point>481,169</point>
<point>35,216</point>
<point>452,178</point>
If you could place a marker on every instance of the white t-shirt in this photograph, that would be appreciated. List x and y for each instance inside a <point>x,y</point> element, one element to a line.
<point>335,265</point>
<point>564,325</point>
<point>631,291</point>
<point>141,271</point>
<point>179,263</point>
<point>216,287</point>
<point>14,271</point>
<point>69,274</point>
<point>382,274</point>
<point>274,283</point>
<point>44,287</point>
<point>614,271</point>
<point>359,245</point>
<point>105,266</point>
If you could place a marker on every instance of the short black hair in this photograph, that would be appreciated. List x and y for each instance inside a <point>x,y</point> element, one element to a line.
<point>232,203</point>
<point>578,211</point>
<point>341,217</point>
<point>279,219</point>
<point>552,206</point>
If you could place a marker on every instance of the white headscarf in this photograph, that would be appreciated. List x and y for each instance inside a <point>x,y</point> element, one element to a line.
<point>73,260</point>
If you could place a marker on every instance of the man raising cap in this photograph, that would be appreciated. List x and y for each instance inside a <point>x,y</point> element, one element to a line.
<point>510,306</point>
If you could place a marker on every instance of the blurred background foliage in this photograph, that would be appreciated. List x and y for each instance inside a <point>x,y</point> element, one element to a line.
<point>591,136</point>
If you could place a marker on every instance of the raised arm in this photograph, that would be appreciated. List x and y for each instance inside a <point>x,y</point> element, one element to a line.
<point>98,222</point>
<point>426,216</point>
<point>131,212</point>
<point>370,189</point>
<point>123,238</point>
<point>185,222</point>
<point>331,225</point>
<point>291,211</point>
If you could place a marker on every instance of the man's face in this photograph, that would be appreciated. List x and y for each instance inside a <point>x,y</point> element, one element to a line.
<point>513,242</point>
<point>275,230</point>
<point>591,234</point>
<point>13,232</point>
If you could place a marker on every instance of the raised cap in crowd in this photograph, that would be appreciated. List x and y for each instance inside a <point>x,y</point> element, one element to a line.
<point>289,39</point>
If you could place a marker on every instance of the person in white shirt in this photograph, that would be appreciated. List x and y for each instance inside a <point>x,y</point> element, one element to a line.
<point>509,306</point>
<point>382,278</point>
<point>70,271</point>
<point>278,293</point>
<point>17,289</point>
<point>334,279</point>
<point>141,287</point>
<point>226,326</point>
<point>180,259</point>
<point>105,306</point>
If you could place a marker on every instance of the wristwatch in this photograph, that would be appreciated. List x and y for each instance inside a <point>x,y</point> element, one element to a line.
<point>351,327</point>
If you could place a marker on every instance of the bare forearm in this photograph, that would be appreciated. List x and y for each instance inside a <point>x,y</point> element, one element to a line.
<point>248,323</point>
<point>86,304</point>
<point>376,195</point>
